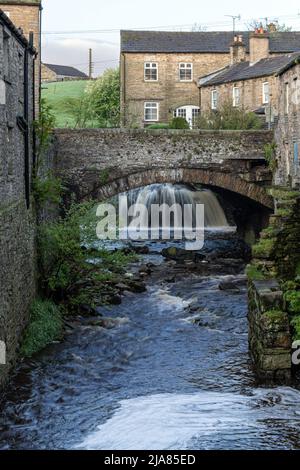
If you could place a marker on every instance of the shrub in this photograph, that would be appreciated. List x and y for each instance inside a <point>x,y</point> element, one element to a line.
<point>61,257</point>
<point>46,326</point>
<point>293,301</point>
<point>104,94</point>
<point>229,118</point>
<point>159,126</point>
<point>179,123</point>
<point>81,109</point>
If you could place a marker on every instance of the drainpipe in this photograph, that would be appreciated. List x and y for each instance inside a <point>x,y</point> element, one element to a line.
<point>26,127</point>
<point>123,80</point>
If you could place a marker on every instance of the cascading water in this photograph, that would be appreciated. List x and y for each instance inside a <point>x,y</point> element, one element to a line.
<point>182,195</point>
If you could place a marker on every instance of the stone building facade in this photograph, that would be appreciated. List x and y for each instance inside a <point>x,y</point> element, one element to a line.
<point>248,82</point>
<point>160,70</point>
<point>287,132</point>
<point>17,222</point>
<point>26,14</point>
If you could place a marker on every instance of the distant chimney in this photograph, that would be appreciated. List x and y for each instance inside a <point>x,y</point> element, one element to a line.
<point>237,50</point>
<point>272,28</point>
<point>259,45</point>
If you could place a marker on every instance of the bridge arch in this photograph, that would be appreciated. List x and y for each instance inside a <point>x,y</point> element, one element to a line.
<point>208,178</point>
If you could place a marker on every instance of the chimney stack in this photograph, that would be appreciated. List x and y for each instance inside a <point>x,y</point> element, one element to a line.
<point>237,50</point>
<point>259,45</point>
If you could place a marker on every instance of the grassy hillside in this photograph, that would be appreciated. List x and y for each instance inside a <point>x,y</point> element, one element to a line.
<point>56,95</point>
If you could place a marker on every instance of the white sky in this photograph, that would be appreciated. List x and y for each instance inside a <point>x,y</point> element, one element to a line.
<point>73,16</point>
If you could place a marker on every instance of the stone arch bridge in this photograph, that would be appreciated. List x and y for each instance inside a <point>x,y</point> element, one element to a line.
<point>100,163</point>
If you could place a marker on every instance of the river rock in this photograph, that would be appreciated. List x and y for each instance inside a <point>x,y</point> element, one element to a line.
<point>180,255</point>
<point>87,310</point>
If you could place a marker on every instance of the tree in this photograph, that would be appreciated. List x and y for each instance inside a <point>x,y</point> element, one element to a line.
<point>268,25</point>
<point>104,94</point>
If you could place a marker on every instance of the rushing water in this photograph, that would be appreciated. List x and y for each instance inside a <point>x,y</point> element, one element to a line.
<point>174,374</point>
<point>178,194</point>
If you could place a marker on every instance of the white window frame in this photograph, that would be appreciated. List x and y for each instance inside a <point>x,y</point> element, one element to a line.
<point>146,106</point>
<point>236,98</point>
<point>153,65</point>
<point>184,66</point>
<point>266,94</point>
<point>214,99</point>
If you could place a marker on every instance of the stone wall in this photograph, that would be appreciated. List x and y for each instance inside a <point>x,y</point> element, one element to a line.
<point>288,129</point>
<point>100,163</point>
<point>48,75</point>
<point>17,221</point>
<point>269,331</point>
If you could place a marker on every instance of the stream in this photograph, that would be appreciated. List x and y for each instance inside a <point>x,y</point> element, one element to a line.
<point>174,373</point>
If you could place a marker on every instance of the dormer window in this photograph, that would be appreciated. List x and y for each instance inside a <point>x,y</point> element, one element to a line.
<point>151,72</point>
<point>185,72</point>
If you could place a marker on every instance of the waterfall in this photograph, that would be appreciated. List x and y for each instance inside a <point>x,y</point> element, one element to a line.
<point>179,194</point>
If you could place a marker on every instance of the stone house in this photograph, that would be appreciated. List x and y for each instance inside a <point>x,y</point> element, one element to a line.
<point>160,70</point>
<point>287,132</point>
<point>248,82</point>
<point>17,228</point>
<point>26,14</point>
<point>60,73</point>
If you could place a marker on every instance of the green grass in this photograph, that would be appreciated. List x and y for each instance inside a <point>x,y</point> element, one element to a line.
<point>56,94</point>
<point>45,326</point>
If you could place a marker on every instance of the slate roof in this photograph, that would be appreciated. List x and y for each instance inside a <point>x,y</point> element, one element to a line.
<point>245,71</point>
<point>66,71</point>
<point>203,41</point>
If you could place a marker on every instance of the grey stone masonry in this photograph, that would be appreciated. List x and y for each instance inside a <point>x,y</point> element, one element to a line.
<point>100,163</point>
<point>17,220</point>
<point>269,331</point>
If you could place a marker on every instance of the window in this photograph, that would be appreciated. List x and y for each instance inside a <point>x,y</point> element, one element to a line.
<point>185,72</point>
<point>296,154</point>
<point>151,111</point>
<point>180,112</point>
<point>214,99</point>
<point>151,72</point>
<point>286,98</point>
<point>266,93</point>
<point>236,96</point>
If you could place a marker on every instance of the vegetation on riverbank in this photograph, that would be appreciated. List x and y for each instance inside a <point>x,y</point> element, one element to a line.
<point>45,326</point>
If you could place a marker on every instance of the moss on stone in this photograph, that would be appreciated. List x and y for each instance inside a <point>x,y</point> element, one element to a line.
<point>283,193</point>
<point>264,248</point>
<point>292,299</point>
<point>295,323</point>
<point>254,273</point>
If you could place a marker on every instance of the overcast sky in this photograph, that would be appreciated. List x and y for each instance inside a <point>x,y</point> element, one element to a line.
<point>74,22</point>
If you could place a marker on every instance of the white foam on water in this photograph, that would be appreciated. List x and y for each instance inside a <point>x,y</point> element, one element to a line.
<point>166,298</point>
<point>170,421</point>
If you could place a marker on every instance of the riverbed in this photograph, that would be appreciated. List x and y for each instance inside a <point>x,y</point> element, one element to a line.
<point>174,373</point>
